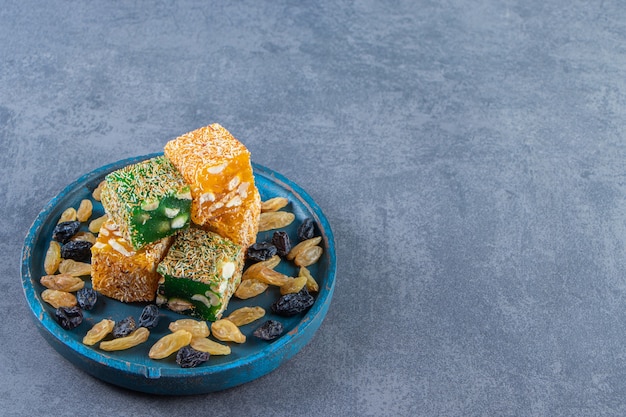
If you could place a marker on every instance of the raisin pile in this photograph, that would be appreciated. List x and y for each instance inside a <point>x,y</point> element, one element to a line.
<point>193,349</point>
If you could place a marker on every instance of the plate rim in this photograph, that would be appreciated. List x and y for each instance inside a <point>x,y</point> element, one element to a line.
<point>47,323</point>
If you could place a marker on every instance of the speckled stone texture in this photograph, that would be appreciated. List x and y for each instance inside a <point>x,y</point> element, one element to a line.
<point>470,156</point>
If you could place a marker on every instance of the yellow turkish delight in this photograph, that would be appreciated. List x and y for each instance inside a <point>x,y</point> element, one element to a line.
<point>217,167</point>
<point>121,272</point>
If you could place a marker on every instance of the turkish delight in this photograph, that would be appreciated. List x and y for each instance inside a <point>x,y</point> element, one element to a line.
<point>200,273</point>
<point>121,272</point>
<point>217,167</point>
<point>148,201</point>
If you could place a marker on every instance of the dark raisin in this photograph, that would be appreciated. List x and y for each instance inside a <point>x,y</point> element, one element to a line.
<point>149,317</point>
<point>261,251</point>
<point>188,357</point>
<point>124,327</point>
<point>86,298</point>
<point>269,330</point>
<point>280,239</point>
<point>306,230</point>
<point>64,231</point>
<point>78,250</point>
<point>294,303</point>
<point>69,317</point>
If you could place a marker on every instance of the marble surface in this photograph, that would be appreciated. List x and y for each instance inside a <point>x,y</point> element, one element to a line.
<point>470,157</point>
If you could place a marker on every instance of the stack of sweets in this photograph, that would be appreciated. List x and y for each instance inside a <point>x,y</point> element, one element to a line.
<point>179,225</point>
<point>225,201</point>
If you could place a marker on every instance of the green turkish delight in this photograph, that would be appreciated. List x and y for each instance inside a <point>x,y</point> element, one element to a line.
<point>200,273</point>
<point>148,201</point>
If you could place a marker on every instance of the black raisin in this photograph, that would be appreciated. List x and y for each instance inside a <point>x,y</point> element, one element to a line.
<point>124,327</point>
<point>261,251</point>
<point>69,317</point>
<point>188,357</point>
<point>294,303</point>
<point>64,231</point>
<point>149,317</point>
<point>86,298</point>
<point>306,230</point>
<point>78,250</point>
<point>280,239</point>
<point>269,330</point>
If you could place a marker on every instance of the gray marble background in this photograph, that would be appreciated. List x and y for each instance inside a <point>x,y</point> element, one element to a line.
<point>469,155</point>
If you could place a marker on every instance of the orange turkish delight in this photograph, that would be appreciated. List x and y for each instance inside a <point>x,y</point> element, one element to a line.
<point>217,167</point>
<point>121,272</point>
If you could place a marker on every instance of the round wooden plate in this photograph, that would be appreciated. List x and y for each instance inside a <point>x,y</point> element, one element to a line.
<point>132,368</point>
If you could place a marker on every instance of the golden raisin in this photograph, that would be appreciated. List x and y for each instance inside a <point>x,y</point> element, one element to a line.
<point>84,210</point>
<point>97,192</point>
<point>169,344</point>
<point>245,315</point>
<point>86,236</point>
<point>62,282</point>
<point>137,337</point>
<point>275,220</point>
<point>74,268</point>
<point>207,345</point>
<point>69,215</point>
<point>308,256</point>
<point>53,258</point>
<point>269,276</point>
<point>227,331</point>
<point>250,288</point>
<point>96,224</point>
<point>270,263</point>
<point>98,332</point>
<point>311,283</point>
<point>58,298</point>
<point>293,286</point>
<point>274,204</point>
<point>197,328</point>
<point>305,244</point>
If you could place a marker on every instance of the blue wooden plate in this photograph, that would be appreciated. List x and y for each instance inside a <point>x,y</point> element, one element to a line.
<point>132,368</point>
